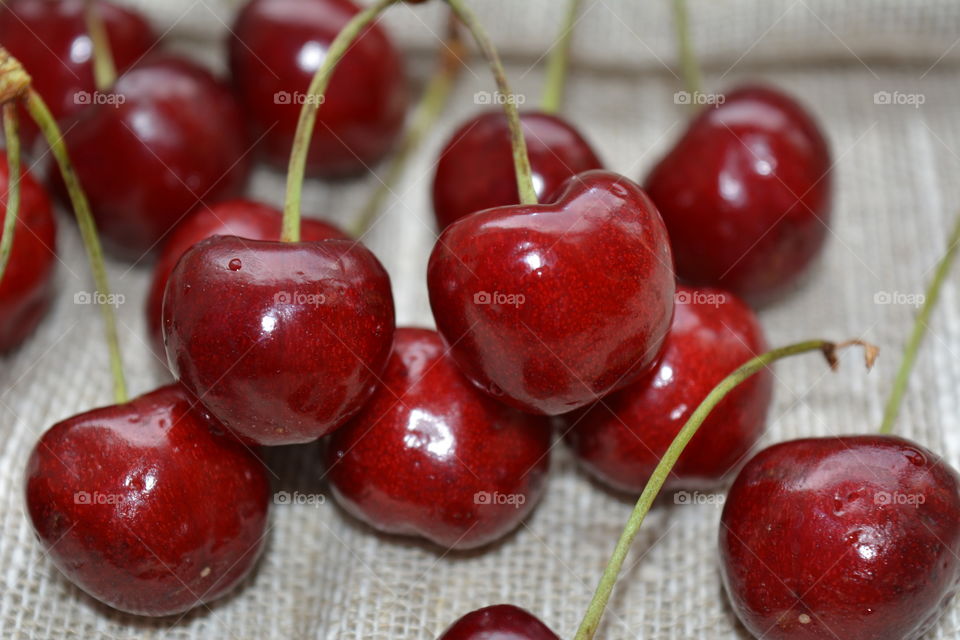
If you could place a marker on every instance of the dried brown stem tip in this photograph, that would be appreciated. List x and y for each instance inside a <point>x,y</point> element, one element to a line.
<point>14,80</point>
<point>870,352</point>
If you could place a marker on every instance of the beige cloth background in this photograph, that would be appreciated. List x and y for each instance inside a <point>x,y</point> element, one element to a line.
<point>326,576</point>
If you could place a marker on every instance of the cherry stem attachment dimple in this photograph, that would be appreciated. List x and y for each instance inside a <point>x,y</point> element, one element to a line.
<point>104,66</point>
<point>920,326</point>
<point>12,137</point>
<point>690,69</point>
<point>521,162</point>
<point>558,62</point>
<point>591,621</point>
<point>290,231</point>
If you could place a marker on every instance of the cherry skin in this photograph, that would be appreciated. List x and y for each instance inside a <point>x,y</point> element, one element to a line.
<point>27,288</point>
<point>173,140</point>
<point>276,46</point>
<point>621,439</point>
<point>475,170</point>
<point>550,307</point>
<point>499,622</point>
<point>431,456</point>
<point>746,194</point>
<point>282,341</point>
<point>51,40</point>
<point>148,506</point>
<point>243,218</point>
<point>853,537</point>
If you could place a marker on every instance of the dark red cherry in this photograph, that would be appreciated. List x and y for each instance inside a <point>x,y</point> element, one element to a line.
<point>746,194</point>
<point>499,622</point>
<point>475,170</point>
<point>276,46</point>
<point>27,287</point>
<point>551,307</point>
<point>853,537</point>
<point>243,218</point>
<point>431,456</point>
<point>621,439</point>
<point>50,39</point>
<point>282,341</point>
<point>172,141</point>
<point>148,506</point>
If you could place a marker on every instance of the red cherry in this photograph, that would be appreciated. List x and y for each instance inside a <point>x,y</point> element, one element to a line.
<point>746,194</point>
<point>621,439</point>
<point>499,622</point>
<point>475,170</point>
<point>431,456</point>
<point>172,139</point>
<point>550,307</point>
<point>275,48</point>
<point>853,537</point>
<point>51,40</point>
<point>27,287</point>
<point>282,341</point>
<point>243,218</point>
<point>147,506</point>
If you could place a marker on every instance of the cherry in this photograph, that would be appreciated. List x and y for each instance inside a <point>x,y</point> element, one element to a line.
<point>243,218</point>
<point>621,439</point>
<point>475,170</point>
<point>275,48</point>
<point>282,341</point>
<point>850,537</point>
<point>550,307</point>
<point>431,456</point>
<point>148,506</point>
<point>27,287</point>
<point>150,155</point>
<point>746,194</point>
<point>499,622</point>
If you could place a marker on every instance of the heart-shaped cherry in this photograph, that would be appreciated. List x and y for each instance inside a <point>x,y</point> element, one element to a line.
<point>850,537</point>
<point>550,307</point>
<point>26,289</point>
<point>746,194</point>
<point>499,622</point>
<point>431,456</point>
<point>148,506</point>
<point>475,170</point>
<point>243,218</point>
<point>164,154</point>
<point>275,48</point>
<point>282,341</point>
<point>621,439</point>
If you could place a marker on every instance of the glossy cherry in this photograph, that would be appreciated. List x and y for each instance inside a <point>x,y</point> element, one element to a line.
<point>148,506</point>
<point>621,439</point>
<point>243,218</point>
<point>499,622</point>
<point>550,307</point>
<point>475,169</point>
<point>746,194</point>
<point>282,341</point>
<point>276,46</point>
<point>854,537</point>
<point>431,456</point>
<point>27,288</point>
<point>173,140</point>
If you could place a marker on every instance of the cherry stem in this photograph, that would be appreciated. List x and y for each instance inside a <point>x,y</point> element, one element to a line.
<point>104,67</point>
<point>12,137</point>
<point>920,326</point>
<point>431,105</point>
<point>591,621</point>
<point>559,62</point>
<point>692,79</point>
<point>521,162</point>
<point>290,231</point>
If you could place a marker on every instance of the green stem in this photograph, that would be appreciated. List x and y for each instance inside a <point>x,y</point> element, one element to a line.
<point>920,325</point>
<point>559,61</point>
<point>13,184</point>
<point>688,60</point>
<point>290,231</point>
<point>104,67</point>
<point>591,621</point>
<point>521,162</point>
